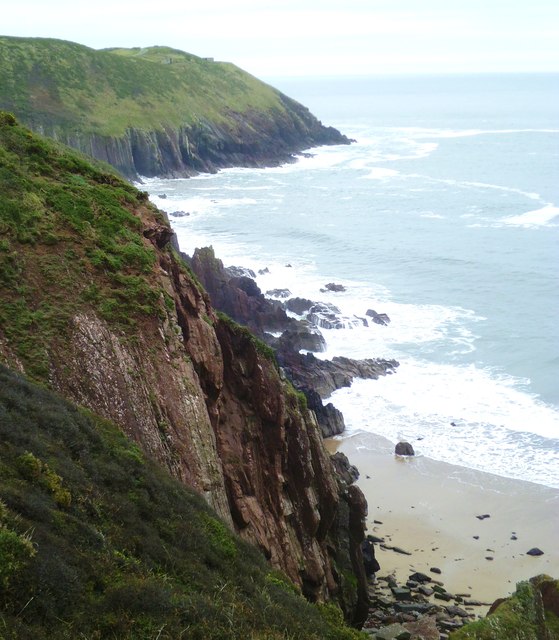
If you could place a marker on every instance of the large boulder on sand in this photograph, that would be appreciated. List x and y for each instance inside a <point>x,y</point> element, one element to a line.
<point>404,449</point>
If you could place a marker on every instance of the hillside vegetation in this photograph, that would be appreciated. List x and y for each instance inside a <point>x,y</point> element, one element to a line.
<point>98,542</point>
<point>69,240</point>
<point>154,111</point>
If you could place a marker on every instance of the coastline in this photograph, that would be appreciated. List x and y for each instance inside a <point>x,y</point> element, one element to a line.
<point>429,509</point>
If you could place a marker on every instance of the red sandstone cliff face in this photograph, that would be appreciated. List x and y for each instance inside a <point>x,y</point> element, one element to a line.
<point>196,394</point>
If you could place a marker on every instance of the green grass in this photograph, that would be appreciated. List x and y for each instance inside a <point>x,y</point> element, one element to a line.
<point>520,617</point>
<point>70,87</point>
<point>98,542</point>
<point>70,240</point>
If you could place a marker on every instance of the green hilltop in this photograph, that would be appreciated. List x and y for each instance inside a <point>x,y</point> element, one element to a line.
<point>66,84</point>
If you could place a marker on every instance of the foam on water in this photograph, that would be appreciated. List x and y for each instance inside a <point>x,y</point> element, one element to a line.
<point>536,218</point>
<point>461,415</point>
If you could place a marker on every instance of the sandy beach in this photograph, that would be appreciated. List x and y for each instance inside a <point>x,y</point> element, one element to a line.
<point>429,509</point>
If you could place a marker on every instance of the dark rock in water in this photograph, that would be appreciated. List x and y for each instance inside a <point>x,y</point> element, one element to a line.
<point>435,570</point>
<point>264,271</point>
<point>347,471</point>
<point>330,419</point>
<point>278,293</point>
<point>325,315</point>
<point>298,305</point>
<point>325,376</point>
<point>483,517</point>
<point>332,286</point>
<point>163,196</point>
<point>404,449</point>
<point>246,284</point>
<point>425,590</point>
<point>378,318</point>
<point>513,537</point>
<point>302,336</point>
<point>179,214</point>
<point>534,552</point>
<point>363,320</point>
<point>240,272</point>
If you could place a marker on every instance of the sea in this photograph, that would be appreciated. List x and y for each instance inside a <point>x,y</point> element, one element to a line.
<point>443,214</point>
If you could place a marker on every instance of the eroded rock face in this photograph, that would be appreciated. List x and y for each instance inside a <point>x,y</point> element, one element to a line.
<point>198,396</point>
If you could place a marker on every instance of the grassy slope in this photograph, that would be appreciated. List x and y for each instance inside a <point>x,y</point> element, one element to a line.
<point>66,227</point>
<point>97,542</point>
<point>56,82</point>
<point>520,617</point>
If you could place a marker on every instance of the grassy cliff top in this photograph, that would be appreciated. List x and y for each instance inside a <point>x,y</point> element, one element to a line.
<point>71,239</point>
<point>49,82</point>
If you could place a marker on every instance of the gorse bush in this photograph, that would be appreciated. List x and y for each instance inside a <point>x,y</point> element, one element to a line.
<point>98,542</point>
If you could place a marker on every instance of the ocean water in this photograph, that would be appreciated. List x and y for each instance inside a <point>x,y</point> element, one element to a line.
<point>444,214</point>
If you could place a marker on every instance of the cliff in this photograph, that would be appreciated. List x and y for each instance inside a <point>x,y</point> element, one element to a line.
<point>96,541</point>
<point>153,111</point>
<point>95,304</point>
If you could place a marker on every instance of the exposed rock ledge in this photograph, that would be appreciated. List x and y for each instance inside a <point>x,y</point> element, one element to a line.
<point>239,297</point>
<point>260,140</point>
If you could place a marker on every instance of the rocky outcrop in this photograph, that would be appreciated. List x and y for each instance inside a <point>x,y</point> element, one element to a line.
<point>203,148</point>
<point>236,296</point>
<point>325,376</point>
<point>240,297</point>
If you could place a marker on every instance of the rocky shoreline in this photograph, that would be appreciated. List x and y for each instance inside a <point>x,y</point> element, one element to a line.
<point>292,327</point>
<point>420,609</point>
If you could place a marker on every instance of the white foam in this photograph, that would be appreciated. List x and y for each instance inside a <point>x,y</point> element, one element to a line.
<point>494,418</point>
<point>421,132</point>
<point>432,214</point>
<point>381,173</point>
<point>536,218</point>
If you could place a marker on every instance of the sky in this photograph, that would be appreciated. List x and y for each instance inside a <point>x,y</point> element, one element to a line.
<point>314,37</point>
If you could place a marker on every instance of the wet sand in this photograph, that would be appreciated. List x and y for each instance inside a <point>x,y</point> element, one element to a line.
<point>430,510</point>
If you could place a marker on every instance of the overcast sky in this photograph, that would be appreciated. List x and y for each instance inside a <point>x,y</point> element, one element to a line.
<point>308,37</point>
